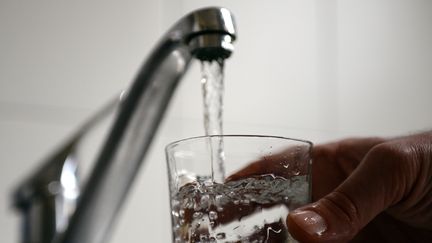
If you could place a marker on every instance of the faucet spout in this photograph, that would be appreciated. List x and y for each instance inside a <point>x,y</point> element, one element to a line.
<point>206,34</point>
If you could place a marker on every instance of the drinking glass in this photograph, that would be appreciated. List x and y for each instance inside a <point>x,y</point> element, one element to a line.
<point>236,188</point>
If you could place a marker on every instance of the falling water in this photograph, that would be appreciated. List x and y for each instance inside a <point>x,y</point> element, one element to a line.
<point>213,89</point>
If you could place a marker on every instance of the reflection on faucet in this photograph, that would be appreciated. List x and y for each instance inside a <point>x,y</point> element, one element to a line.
<point>54,209</point>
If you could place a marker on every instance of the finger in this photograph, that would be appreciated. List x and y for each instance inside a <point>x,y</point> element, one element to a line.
<point>334,162</point>
<point>382,179</point>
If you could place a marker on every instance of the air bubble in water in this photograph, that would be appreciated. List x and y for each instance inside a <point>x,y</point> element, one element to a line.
<point>204,202</point>
<point>197,215</point>
<point>213,215</point>
<point>203,238</point>
<point>182,222</point>
<point>208,183</point>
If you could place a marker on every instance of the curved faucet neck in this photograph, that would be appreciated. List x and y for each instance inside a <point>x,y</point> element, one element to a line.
<point>206,34</point>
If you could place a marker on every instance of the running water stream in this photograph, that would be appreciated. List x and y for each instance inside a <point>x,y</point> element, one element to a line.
<point>213,89</point>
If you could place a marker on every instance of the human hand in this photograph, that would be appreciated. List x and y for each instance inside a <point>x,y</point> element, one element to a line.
<point>369,190</point>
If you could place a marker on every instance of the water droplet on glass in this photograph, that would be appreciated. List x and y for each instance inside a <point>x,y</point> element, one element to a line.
<point>175,203</point>
<point>54,187</point>
<point>220,236</point>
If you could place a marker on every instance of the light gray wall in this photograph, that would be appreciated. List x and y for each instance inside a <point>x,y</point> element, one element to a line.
<point>312,69</point>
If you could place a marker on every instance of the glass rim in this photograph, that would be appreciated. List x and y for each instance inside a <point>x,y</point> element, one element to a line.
<point>168,146</point>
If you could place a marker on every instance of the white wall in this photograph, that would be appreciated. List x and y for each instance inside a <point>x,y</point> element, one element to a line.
<point>311,69</point>
<point>384,66</point>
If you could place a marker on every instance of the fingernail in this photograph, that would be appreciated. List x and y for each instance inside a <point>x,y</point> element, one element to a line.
<point>310,221</point>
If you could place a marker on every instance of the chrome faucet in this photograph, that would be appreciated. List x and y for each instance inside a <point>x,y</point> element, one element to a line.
<point>55,208</point>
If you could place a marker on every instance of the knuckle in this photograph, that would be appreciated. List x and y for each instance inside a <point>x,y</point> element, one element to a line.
<point>393,152</point>
<point>399,163</point>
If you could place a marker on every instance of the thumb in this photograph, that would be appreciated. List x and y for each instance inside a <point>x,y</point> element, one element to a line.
<point>378,182</point>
